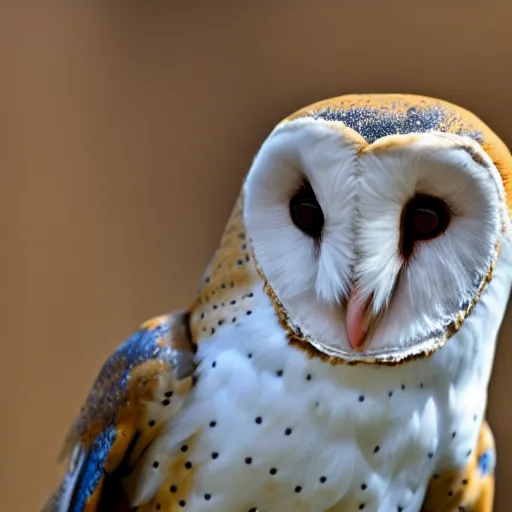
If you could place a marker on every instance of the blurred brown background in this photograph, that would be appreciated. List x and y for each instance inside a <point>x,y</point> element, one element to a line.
<point>126,131</point>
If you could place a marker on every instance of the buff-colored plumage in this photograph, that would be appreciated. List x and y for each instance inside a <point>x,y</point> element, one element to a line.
<point>248,402</point>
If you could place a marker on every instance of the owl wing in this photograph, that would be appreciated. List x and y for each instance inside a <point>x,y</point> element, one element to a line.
<point>141,386</point>
<point>470,489</point>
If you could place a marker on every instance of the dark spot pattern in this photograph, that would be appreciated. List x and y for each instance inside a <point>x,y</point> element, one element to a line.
<point>219,286</point>
<point>374,123</point>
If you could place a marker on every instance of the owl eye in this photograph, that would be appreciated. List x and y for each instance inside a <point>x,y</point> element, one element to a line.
<point>423,218</point>
<point>306,213</point>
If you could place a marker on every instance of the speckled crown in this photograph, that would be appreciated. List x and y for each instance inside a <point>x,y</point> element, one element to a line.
<point>374,116</point>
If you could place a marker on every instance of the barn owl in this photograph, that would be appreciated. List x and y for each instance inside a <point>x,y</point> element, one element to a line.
<point>337,354</point>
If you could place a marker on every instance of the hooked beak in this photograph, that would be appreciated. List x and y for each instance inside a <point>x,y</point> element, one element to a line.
<point>357,319</point>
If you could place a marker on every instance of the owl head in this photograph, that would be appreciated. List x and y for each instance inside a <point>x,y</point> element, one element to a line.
<point>376,223</point>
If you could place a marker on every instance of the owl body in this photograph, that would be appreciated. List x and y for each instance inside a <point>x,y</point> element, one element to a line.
<point>293,433</point>
<point>338,352</point>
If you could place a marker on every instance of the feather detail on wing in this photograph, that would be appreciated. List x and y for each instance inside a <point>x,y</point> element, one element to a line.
<point>139,389</point>
<point>470,489</point>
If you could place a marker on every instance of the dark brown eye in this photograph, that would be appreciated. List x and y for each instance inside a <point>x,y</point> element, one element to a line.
<point>306,212</point>
<point>423,218</point>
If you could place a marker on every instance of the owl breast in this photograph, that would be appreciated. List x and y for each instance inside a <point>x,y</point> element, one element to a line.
<point>268,428</point>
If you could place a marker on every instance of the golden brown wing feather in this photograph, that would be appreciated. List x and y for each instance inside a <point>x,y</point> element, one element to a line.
<point>470,489</point>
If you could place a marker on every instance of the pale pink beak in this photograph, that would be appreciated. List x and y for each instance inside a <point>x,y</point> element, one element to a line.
<point>356,320</point>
